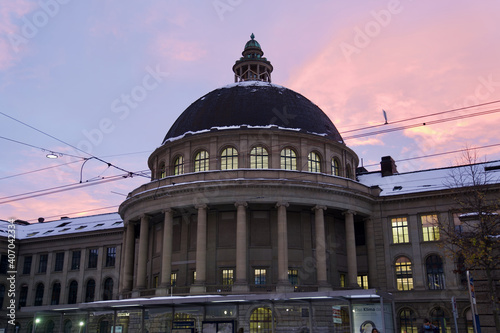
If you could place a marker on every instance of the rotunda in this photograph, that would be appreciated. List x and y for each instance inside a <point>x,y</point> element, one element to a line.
<point>252,190</point>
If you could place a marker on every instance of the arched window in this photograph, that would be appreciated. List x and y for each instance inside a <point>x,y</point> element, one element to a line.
<point>313,162</point>
<point>348,172</point>
<point>68,325</point>
<point>90,291</point>
<point>229,159</point>
<point>435,272</point>
<point>288,159</point>
<point>404,275</point>
<point>261,320</point>
<point>39,294</point>
<point>335,167</point>
<point>259,158</point>
<point>179,165</point>
<point>108,289</point>
<point>162,172</point>
<point>407,321</point>
<point>49,327</point>
<point>201,161</point>
<point>23,295</point>
<point>72,292</point>
<point>56,293</point>
<point>439,318</point>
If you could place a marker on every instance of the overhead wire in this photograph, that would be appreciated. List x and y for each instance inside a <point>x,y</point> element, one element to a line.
<point>43,149</point>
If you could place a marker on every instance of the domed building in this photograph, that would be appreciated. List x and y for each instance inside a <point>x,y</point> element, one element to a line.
<point>257,218</point>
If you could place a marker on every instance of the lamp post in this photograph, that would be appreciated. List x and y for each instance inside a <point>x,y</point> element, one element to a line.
<point>37,320</point>
<point>81,324</point>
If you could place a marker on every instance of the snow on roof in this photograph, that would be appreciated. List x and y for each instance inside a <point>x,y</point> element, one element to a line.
<point>253,83</point>
<point>65,226</point>
<point>426,180</point>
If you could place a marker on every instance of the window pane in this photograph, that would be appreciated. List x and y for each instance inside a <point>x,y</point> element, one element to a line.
<point>335,167</point>
<point>93,254</point>
<point>435,272</point>
<point>58,266</point>
<point>227,276</point>
<point>179,166</point>
<point>260,276</point>
<point>313,162</point>
<point>42,267</point>
<point>430,227</point>
<point>75,260</point>
<point>288,159</point>
<point>400,230</point>
<point>229,159</point>
<point>259,158</point>
<point>27,265</point>
<point>293,276</point>
<point>201,161</point>
<point>110,256</point>
<point>404,275</point>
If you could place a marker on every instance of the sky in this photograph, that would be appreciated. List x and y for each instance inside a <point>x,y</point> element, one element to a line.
<point>99,83</point>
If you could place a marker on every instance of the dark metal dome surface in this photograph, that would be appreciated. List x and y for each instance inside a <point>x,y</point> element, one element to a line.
<point>253,104</point>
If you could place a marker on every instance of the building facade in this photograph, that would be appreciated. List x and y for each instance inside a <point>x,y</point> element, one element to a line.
<point>256,218</point>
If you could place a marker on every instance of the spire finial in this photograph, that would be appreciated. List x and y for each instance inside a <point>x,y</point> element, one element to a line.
<point>252,36</point>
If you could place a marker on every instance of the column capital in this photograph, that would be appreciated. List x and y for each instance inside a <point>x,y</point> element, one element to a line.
<point>201,206</point>
<point>282,203</point>
<point>241,203</point>
<point>167,210</point>
<point>318,207</point>
<point>349,211</point>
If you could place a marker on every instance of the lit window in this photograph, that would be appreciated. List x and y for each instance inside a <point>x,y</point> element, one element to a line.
<point>342,280</point>
<point>162,171</point>
<point>261,320</point>
<point>335,167</point>
<point>400,230</point>
<point>293,276</point>
<point>201,161</point>
<point>404,275</point>
<point>435,272</point>
<point>313,162</point>
<point>227,276</point>
<point>229,159</point>
<point>259,158</point>
<point>260,276</point>
<point>407,321</point>
<point>363,281</point>
<point>179,166</point>
<point>430,227</point>
<point>173,279</point>
<point>288,159</point>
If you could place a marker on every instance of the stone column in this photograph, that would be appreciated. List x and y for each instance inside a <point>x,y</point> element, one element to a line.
<point>372,258</point>
<point>350,239</point>
<point>128,266</point>
<point>201,250</point>
<point>241,283</point>
<point>143,253</point>
<point>166,255</point>
<point>283,282</point>
<point>320,247</point>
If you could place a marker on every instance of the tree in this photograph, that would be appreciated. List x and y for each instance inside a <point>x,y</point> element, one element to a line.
<point>474,233</point>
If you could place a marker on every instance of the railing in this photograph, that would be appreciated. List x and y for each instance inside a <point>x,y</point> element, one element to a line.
<point>219,289</point>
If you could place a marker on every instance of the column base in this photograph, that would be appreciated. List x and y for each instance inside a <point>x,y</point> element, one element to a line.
<point>197,289</point>
<point>324,286</point>
<point>240,288</point>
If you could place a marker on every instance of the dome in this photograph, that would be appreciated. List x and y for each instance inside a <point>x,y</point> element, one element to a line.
<point>253,104</point>
<point>252,43</point>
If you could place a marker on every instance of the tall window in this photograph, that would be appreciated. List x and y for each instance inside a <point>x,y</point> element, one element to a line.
<point>56,294</point>
<point>227,276</point>
<point>348,172</point>
<point>23,295</point>
<point>229,159</point>
<point>108,289</point>
<point>201,161</point>
<point>58,266</point>
<point>404,275</point>
<point>39,294</point>
<point>179,166</point>
<point>261,320</point>
<point>435,272</point>
<point>42,264</point>
<point>400,230</point>
<point>363,281</point>
<point>173,279</point>
<point>27,264</point>
<point>260,276</point>
<point>110,256</point>
<point>2,295</point>
<point>93,255</point>
<point>72,292</point>
<point>259,158</point>
<point>293,276</point>
<point>342,280</point>
<point>438,318</point>
<point>90,291</point>
<point>407,321</point>
<point>288,159</point>
<point>430,227</point>
<point>75,259</point>
<point>313,162</point>
<point>335,167</point>
<point>162,172</point>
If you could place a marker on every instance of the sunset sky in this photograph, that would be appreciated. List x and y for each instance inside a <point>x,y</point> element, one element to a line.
<point>108,78</point>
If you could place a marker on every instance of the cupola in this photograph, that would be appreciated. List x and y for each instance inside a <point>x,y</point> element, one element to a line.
<point>252,66</point>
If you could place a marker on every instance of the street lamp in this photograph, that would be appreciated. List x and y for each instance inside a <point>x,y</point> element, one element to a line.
<point>81,326</point>
<point>37,320</point>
